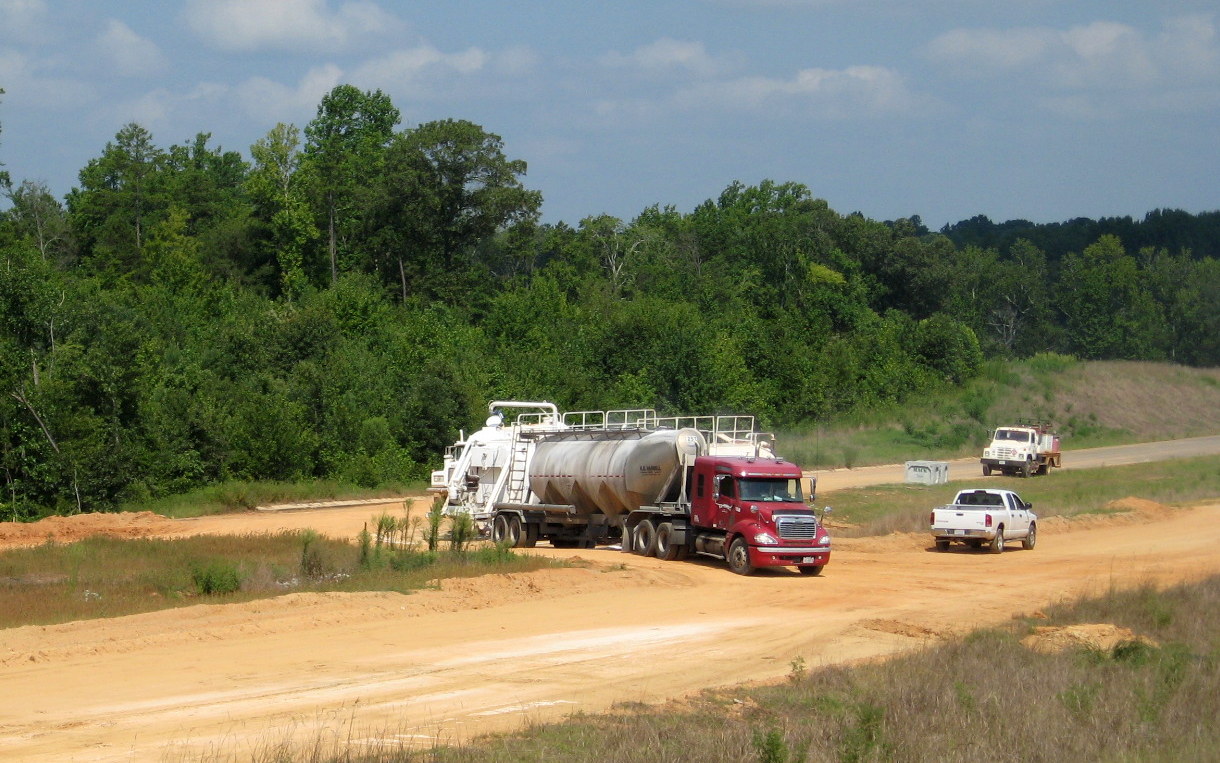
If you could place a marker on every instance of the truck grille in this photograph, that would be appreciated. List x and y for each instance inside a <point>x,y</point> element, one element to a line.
<point>1006,452</point>
<point>796,528</point>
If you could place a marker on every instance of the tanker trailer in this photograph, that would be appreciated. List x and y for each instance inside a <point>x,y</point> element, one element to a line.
<point>660,494</point>
<point>582,483</point>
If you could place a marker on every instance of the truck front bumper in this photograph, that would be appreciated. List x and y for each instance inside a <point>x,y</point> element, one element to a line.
<point>789,556</point>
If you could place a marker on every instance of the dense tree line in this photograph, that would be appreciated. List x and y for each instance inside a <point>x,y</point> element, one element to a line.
<point>342,301</point>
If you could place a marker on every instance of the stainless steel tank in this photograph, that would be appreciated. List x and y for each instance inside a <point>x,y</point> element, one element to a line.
<point>614,472</point>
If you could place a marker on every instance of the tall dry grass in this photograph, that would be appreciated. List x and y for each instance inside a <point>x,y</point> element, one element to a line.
<point>109,577</point>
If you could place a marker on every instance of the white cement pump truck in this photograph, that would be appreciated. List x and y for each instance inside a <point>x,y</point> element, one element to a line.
<point>661,487</point>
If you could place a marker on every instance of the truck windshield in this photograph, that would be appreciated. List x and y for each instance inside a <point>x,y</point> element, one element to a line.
<point>759,489</point>
<point>1012,434</point>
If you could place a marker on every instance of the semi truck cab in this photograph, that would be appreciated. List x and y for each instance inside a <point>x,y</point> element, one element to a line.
<point>752,511</point>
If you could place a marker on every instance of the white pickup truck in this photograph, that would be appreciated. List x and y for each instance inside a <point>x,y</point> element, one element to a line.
<point>984,516</point>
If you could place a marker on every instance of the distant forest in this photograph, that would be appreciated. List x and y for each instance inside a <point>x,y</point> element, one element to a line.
<point>338,303</point>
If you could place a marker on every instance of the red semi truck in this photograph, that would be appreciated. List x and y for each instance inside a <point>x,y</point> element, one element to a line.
<point>659,490</point>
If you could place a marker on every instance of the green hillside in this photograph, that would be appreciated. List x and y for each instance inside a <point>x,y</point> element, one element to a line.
<point>1092,403</point>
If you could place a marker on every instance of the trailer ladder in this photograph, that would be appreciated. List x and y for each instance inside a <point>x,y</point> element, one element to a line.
<point>517,482</point>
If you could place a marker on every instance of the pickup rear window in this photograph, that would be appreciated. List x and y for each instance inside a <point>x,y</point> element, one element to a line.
<point>979,498</point>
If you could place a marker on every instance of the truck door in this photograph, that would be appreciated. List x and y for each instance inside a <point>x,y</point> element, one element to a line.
<point>726,494</point>
<point>1019,514</point>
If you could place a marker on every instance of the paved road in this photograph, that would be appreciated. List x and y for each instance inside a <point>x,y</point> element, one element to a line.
<point>1087,458</point>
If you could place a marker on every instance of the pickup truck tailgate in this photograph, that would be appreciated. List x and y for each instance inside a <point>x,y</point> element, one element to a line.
<point>961,517</point>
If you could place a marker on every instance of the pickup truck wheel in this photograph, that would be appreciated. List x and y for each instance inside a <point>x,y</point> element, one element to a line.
<point>813,570</point>
<point>997,543</point>
<point>975,543</point>
<point>1032,538</point>
<point>986,470</point>
<point>739,557</point>
<point>942,545</point>
<point>665,550</point>
<point>644,540</point>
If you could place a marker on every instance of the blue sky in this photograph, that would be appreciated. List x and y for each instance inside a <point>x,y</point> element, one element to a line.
<point>1037,109</point>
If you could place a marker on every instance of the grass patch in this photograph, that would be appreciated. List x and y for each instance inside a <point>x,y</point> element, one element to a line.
<point>981,697</point>
<point>109,577</point>
<point>904,508</point>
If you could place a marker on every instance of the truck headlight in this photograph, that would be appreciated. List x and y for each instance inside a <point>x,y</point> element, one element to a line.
<point>824,540</point>
<point>765,539</point>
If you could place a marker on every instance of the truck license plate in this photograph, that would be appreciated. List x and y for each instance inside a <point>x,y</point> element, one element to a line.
<point>807,560</point>
<point>1002,462</point>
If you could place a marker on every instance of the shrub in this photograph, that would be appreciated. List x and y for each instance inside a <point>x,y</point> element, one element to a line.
<point>217,578</point>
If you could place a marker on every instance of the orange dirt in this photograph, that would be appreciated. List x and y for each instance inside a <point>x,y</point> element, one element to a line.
<point>492,653</point>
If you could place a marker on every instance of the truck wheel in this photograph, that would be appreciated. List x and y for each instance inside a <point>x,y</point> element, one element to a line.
<point>813,570</point>
<point>986,470</point>
<point>997,543</point>
<point>666,550</point>
<point>529,538</point>
<point>499,529</point>
<point>739,557</point>
<point>644,541</point>
<point>1032,538</point>
<point>942,545</point>
<point>1025,469</point>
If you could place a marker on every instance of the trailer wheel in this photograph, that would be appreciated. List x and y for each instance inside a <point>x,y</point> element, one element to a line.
<point>666,550</point>
<point>644,541</point>
<point>739,557</point>
<point>530,537</point>
<point>499,529</point>
<point>514,531</point>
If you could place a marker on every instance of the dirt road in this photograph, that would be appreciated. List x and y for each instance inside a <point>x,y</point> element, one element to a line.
<point>491,653</point>
<point>1087,458</point>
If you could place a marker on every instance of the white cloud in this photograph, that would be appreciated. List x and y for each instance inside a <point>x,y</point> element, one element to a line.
<point>834,93</point>
<point>269,102</point>
<point>127,52</point>
<point>22,19</point>
<point>28,87</point>
<point>1102,55</point>
<point>666,55</point>
<point>418,71</point>
<point>287,24</point>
